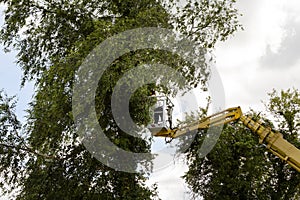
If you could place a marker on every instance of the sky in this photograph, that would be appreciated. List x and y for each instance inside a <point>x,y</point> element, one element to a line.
<point>251,63</point>
<point>263,56</point>
<point>10,79</point>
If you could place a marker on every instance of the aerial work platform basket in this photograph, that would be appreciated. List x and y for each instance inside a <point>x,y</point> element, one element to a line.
<point>161,115</point>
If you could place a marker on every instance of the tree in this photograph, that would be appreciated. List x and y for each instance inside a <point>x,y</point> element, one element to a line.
<point>12,148</point>
<point>239,168</point>
<point>52,39</point>
<point>284,106</point>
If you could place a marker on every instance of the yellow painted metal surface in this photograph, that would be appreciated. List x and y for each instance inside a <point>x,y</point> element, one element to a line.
<point>275,142</point>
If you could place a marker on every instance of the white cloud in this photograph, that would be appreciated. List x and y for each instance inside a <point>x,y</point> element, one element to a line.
<point>246,82</point>
<point>288,52</point>
<point>169,181</point>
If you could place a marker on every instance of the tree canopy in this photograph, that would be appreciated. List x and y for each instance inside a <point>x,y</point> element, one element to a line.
<point>45,157</point>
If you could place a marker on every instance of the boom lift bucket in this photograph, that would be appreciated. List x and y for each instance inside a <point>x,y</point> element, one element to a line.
<point>160,118</point>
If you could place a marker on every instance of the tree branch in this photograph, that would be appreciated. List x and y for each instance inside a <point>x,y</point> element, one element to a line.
<point>29,150</point>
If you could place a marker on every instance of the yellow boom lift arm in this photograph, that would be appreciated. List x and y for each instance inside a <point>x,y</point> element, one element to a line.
<point>274,140</point>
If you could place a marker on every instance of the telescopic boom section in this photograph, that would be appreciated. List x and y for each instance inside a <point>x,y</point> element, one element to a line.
<point>220,118</point>
<point>274,141</point>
